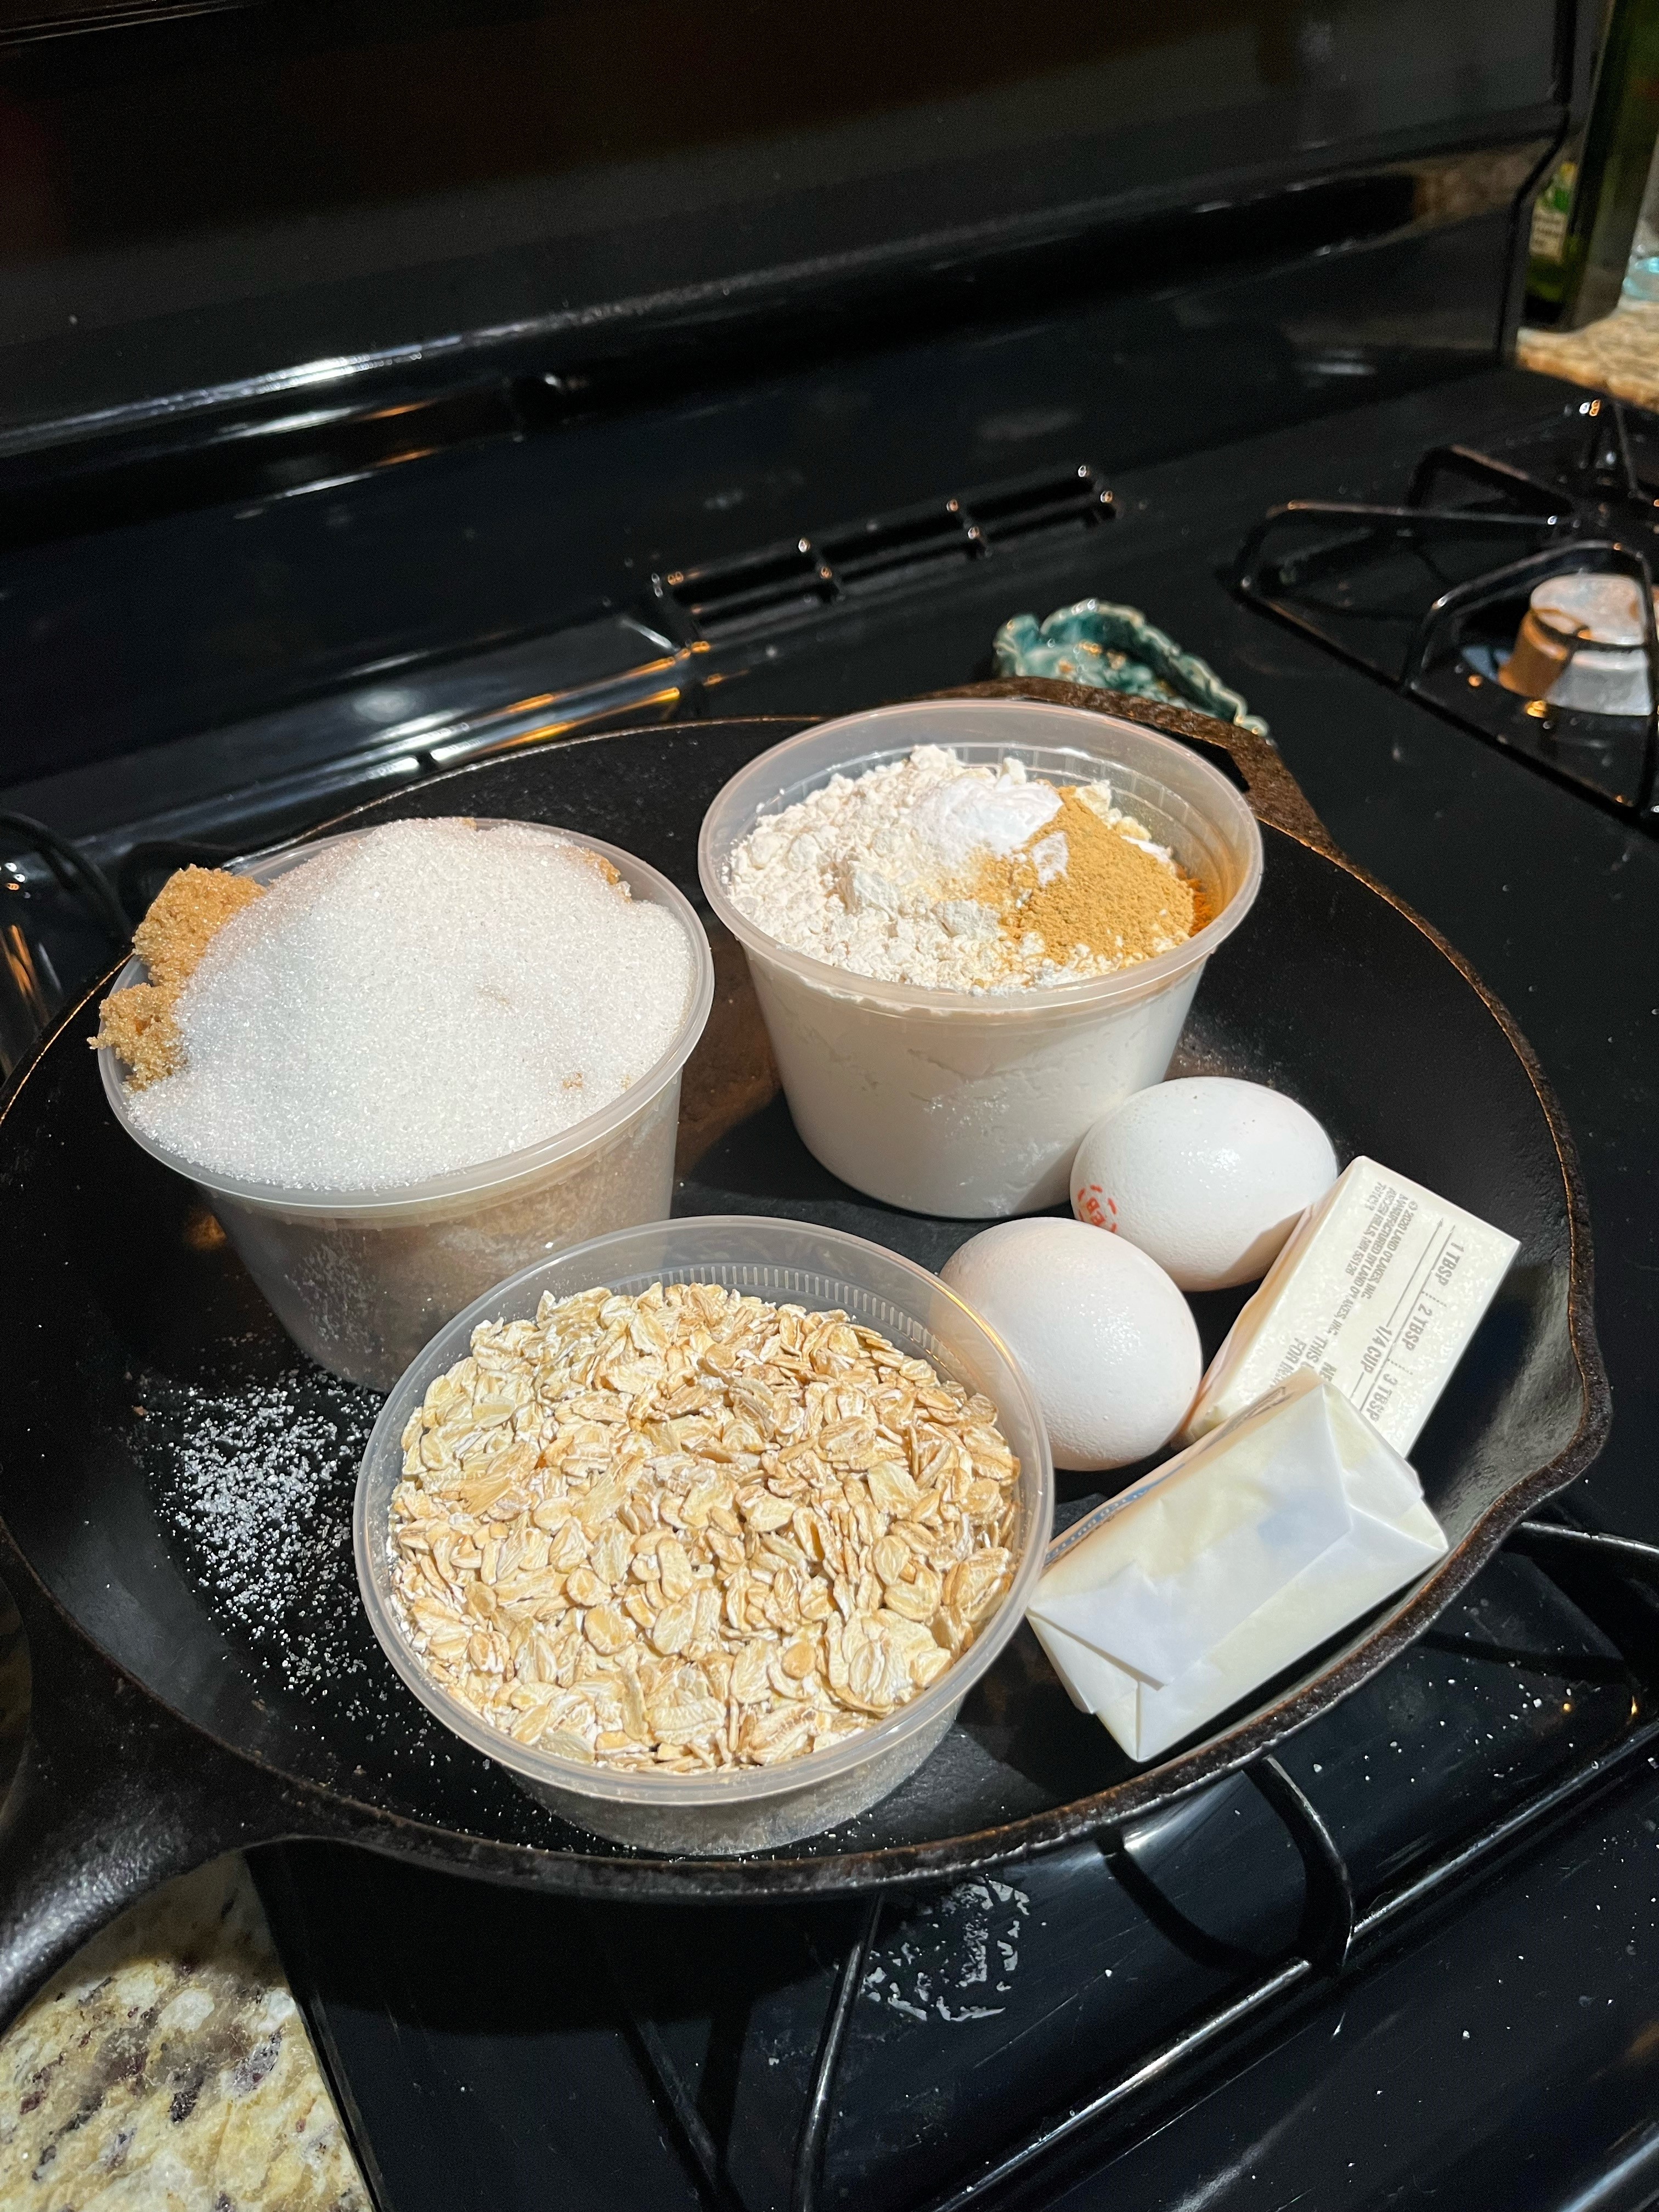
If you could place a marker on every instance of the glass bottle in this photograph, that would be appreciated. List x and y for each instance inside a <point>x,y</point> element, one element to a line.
<point>1642,278</point>
<point>1584,220</point>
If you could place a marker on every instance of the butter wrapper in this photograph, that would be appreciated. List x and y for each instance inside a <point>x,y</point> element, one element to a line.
<point>1168,1604</point>
<point>1378,1290</point>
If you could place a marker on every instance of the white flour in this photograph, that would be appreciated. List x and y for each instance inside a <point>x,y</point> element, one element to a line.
<point>866,874</point>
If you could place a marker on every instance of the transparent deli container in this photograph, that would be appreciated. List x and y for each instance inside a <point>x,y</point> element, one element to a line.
<point>749,1808</point>
<point>962,1104</point>
<point>360,1279</point>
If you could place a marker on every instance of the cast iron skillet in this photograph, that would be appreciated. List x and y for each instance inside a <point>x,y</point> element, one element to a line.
<point>163,1729</point>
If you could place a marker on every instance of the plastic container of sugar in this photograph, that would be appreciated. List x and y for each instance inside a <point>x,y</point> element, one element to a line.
<point>963,1103</point>
<point>360,1279</point>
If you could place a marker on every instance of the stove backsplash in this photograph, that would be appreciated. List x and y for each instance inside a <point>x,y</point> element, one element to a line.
<point>216,198</point>
<point>133,617</point>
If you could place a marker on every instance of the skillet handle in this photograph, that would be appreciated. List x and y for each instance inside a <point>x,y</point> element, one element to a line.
<point>1274,794</point>
<point>111,1797</point>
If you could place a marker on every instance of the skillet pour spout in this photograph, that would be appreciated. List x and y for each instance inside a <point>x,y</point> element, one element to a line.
<point>171,1720</point>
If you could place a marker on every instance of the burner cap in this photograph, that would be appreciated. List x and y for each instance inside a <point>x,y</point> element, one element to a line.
<point>1595,609</point>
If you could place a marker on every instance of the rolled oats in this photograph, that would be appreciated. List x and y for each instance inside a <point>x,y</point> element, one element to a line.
<point>690,1529</point>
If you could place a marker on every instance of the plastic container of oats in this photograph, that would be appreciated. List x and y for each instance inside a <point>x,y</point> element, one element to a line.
<point>360,1279</point>
<point>971,1104</point>
<point>738,1808</point>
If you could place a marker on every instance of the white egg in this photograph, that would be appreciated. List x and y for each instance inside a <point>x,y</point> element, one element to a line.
<point>1207,1174</point>
<point>1107,1341</point>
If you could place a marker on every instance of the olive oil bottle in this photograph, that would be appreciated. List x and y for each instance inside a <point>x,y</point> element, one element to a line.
<point>1584,218</point>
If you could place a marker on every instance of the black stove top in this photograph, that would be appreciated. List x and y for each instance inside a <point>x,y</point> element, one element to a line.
<point>1415,1947</point>
<point>1032,2030</point>
<point>1420,1945</point>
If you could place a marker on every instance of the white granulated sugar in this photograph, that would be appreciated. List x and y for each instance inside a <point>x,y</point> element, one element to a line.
<point>864,873</point>
<point>428,997</point>
<point>254,1484</point>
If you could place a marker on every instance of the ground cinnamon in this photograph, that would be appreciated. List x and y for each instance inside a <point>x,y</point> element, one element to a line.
<point>1098,896</point>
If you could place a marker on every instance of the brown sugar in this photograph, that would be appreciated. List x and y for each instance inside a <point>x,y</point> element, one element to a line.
<point>137,1024</point>
<point>1111,903</point>
<point>186,915</point>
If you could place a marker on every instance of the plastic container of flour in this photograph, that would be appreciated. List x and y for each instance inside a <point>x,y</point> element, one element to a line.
<point>972,1104</point>
<point>743,1809</point>
<point>360,1280</point>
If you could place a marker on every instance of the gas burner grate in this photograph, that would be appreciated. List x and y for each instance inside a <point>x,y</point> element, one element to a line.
<point>1345,1899</point>
<point>775,587</point>
<point>986,2042</point>
<point>1428,595</point>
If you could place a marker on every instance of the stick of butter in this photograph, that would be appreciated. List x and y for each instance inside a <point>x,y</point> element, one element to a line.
<point>1172,1602</point>
<point>1378,1289</point>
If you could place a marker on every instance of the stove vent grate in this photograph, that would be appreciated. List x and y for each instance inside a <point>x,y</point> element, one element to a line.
<point>778,585</point>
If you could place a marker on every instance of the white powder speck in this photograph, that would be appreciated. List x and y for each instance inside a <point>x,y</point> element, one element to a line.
<point>424,998</point>
<point>938,1963</point>
<point>977,810</point>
